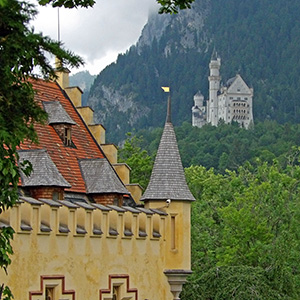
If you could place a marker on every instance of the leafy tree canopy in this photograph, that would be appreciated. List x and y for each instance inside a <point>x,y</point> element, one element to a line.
<point>229,146</point>
<point>21,51</point>
<point>167,6</point>
<point>137,159</point>
<point>245,233</point>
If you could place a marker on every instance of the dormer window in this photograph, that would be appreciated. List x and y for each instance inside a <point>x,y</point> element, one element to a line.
<point>61,121</point>
<point>67,137</point>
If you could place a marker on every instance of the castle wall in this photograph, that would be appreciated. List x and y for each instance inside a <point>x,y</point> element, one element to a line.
<point>89,252</point>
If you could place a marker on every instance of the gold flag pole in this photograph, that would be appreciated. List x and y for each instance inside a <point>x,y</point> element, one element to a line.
<point>167,90</point>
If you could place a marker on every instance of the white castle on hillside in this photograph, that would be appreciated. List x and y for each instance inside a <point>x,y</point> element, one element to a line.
<point>229,102</point>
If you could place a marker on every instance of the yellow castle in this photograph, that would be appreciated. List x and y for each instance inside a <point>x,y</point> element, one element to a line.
<point>81,231</point>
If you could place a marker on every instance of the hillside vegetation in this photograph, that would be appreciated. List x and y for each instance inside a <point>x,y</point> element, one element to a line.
<point>229,146</point>
<point>245,221</point>
<point>245,233</point>
<point>259,39</point>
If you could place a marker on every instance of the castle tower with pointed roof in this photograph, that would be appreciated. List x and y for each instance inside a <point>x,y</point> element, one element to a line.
<point>229,102</point>
<point>198,111</point>
<point>168,191</point>
<point>167,179</point>
<point>214,86</point>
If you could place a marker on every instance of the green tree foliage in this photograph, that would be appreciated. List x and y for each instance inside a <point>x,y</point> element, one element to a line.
<point>137,159</point>
<point>68,3</point>
<point>21,50</point>
<point>167,6</point>
<point>229,146</point>
<point>172,6</point>
<point>245,233</point>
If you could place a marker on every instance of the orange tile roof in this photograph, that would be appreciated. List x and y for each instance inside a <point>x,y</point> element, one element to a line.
<point>65,158</point>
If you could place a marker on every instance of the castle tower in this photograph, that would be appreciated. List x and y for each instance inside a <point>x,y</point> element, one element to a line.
<point>214,86</point>
<point>198,111</point>
<point>168,191</point>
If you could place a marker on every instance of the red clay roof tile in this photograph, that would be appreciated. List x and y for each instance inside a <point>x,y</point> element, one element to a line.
<point>65,158</point>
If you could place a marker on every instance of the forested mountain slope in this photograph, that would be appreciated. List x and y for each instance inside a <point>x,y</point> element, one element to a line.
<point>259,39</point>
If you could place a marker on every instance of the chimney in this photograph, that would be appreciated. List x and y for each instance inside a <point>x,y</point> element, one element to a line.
<point>62,74</point>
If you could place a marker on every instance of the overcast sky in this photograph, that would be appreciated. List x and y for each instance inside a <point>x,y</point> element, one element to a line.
<point>100,33</point>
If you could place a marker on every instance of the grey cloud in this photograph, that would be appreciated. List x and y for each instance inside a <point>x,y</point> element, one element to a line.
<point>110,26</point>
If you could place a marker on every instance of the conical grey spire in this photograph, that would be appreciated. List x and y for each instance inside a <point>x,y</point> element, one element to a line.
<point>214,55</point>
<point>167,179</point>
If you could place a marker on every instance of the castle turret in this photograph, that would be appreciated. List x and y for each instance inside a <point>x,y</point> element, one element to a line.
<point>198,111</point>
<point>168,191</point>
<point>214,86</point>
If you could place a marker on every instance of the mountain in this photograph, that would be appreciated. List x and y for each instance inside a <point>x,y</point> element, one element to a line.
<point>84,80</point>
<point>259,39</point>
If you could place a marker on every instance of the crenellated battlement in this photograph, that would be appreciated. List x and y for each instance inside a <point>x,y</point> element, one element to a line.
<point>64,218</point>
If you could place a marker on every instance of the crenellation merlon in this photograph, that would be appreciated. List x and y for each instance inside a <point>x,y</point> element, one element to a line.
<point>64,218</point>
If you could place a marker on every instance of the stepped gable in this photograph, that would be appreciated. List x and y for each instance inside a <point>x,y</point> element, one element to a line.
<point>65,158</point>
<point>44,171</point>
<point>100,177</point>
<point>167,179</point>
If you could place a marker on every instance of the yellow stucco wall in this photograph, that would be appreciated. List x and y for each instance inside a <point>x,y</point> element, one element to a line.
<point>178,239</point>
<point>85,261</point>
<point>123,171</point>
<point>74,94</point>
<point>136,191</point>
<point>63,77</point>
<point>87,114</point>
<point>111,152</point>
<point>98,132</point>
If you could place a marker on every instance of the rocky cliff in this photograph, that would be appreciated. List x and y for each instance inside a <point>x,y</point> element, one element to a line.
<point>259,39</point>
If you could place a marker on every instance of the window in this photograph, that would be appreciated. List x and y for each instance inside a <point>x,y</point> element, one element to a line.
<point>54,289</point>
<point>49,293</point>
<point>58,194</point>
<point>117,202</point>
<point>173,233</point>
<point>67,137</point>
<point>119,288</point>
<point>65,133</point>
<point>115,293</point>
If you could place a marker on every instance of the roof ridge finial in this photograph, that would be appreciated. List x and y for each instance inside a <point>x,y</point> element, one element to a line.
<point>214,55</point>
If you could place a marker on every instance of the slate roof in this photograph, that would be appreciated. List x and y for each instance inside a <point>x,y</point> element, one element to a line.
<point>66,159</point>
<point>100,177</point>
<point>230,81</point>
<point>56,113</point>
<point>198,94</point>
<point>45,172</point>
<point>167,179</point>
